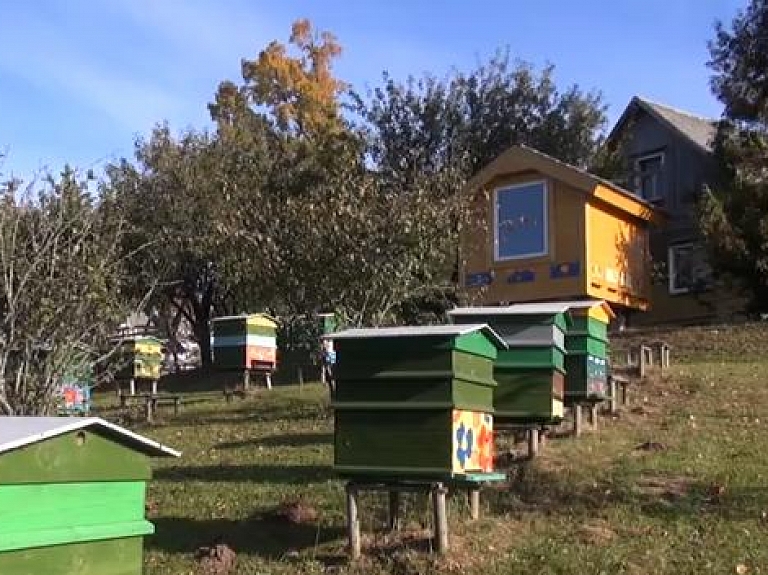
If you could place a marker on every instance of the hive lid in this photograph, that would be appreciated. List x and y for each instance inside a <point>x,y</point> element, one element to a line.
<point>252,318</point>
<point>597,304</point>
<point>19,431</point>
<point>543,308</point>
<point>419,331</point>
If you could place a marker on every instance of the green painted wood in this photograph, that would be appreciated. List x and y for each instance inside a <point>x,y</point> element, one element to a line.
<point>109,557</point>
<point>380,442</point>
<point>586,379</point>
<point>583,344</point>
<point>229,357</point>
<point>66,458</point>
<point>509,324</point>
<point>532,357</point>
<point>38,514</point>
<point>230,327</point>
<point>416,389</point>
<point>368,362</point>
<point>527,394</point>
<point>400,349</point>
<point>590,326</point>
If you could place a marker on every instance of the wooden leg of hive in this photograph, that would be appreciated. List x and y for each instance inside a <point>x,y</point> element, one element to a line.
<point>577,420</point>
<point>132,386</point>
<point>394,510</point>
<point>353,523</point>
<point>533,442</point>
<point>474,503</point>
<point>268,377</point>
<point>614,396</point>
<point>440,518</point>
<point>246,379</point>
<point>593,415</point>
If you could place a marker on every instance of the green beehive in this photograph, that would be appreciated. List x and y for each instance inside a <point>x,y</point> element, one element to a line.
<point>587,345</point>
<point>531,373</point>
<point>414,401</point>
<point>138,357</point>
<point>72,496</point>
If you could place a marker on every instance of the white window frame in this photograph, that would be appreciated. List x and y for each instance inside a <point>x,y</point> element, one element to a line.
<point>639,178</point>
<point>496,193</point>
<point>671,266</point>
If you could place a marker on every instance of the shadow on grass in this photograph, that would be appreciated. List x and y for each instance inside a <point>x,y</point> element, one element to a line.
<point>267,536</point>
<point>285,440</point>
<point>285,474</point>
<point>665,496</point>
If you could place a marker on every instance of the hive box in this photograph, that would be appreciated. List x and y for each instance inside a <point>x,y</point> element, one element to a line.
<point>138,357</point>
<point>586,343</point>
<point>244,342</point>
<point>72,496</point>
<point>531,373</point>
<point>414,401</point>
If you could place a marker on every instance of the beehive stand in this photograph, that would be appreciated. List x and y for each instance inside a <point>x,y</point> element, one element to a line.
<point>436,490</point>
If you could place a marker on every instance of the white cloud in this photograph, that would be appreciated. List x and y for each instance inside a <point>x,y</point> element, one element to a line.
<point>203,31</point>
<point>50,62</point>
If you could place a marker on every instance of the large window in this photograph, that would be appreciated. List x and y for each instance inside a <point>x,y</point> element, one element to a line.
<point>648,183</point>
<point>688,268</point>
<point>520,221</point>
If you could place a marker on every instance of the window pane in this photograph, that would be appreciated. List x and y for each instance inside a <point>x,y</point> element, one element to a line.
<point>521,223</point>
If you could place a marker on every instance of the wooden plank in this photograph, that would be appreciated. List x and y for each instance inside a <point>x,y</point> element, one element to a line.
<point>77,456</point>
<point>122,556</point>
<point>353,523</point>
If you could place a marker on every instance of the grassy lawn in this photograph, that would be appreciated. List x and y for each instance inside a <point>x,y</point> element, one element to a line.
<point>695,500</point>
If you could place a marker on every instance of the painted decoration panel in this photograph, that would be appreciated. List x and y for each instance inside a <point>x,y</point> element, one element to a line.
<point>472,441</point>
<point>597,375</point>
<point>479,279</point>
<point>521,226</point>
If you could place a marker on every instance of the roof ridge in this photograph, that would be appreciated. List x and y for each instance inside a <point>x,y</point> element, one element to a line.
<point>676,110</point>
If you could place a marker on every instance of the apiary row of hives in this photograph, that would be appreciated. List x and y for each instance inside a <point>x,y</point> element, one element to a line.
<point>423,401</point>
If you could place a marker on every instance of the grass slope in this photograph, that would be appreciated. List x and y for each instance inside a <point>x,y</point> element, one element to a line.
<point>695,500</point>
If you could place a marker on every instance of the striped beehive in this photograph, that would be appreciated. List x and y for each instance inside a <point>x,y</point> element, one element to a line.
<point>244,342</point>
<point>138,357</point>
<point>530,374</point>
<point>586,343</point>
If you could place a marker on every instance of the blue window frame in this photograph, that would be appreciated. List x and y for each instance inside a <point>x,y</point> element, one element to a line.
<point>520,221</point>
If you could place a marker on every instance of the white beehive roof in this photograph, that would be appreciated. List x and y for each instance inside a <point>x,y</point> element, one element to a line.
<point>19,431</point>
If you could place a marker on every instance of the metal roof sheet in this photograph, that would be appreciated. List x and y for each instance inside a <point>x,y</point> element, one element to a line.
<point>19,431</point>
<point>415,331</point>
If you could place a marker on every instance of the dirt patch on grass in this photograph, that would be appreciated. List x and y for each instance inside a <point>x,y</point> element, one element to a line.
<point>597,532</point>
<point>671,488</point>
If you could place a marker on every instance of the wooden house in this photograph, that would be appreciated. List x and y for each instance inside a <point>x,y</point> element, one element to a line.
<point>72,495</point>
<point>669,158</point>
<point>539,229</point>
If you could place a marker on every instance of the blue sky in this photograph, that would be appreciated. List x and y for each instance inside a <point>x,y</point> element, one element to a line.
<point>79,79</point>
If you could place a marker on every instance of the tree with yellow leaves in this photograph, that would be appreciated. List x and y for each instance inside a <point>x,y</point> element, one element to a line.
<point>300,91</point>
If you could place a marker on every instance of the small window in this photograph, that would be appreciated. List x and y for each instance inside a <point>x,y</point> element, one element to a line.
<point>520,221</point>
<point>688,268</point>
<point>648,181</point>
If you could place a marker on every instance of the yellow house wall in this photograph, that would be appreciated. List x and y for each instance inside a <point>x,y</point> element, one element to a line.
<point>566,243</point>
<point>617,250</point>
